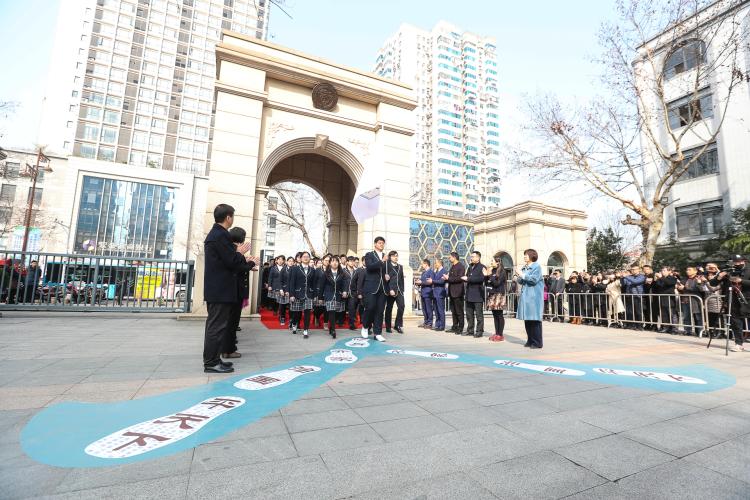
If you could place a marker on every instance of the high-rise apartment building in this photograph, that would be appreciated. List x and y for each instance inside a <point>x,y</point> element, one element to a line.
<point>457,152</point>
<point>132,81</point>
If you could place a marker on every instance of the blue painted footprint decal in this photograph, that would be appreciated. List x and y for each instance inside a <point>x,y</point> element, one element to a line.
<point>105,434</point>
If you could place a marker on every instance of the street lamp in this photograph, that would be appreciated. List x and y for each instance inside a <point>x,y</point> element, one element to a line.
<point>33,172</point>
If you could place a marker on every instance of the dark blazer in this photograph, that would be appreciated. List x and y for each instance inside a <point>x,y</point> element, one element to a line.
<point>223,264</point>
<point>330,289</point>
<point>438,283</point>
<point>455,283</point>
<point>374,269</point>
<point>475,283</point>
<point>664,285</point>
<point>277,278</point>
<point>358,281</point>
<point>425,290</point>
<point>497,284</point>
<point>396,283</point>
<point>243,282</point>
<point>303,285</point>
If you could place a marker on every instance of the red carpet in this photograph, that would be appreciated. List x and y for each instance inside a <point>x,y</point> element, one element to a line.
<point>271,321</point>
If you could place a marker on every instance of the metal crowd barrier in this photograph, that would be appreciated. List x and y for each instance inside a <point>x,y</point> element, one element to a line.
<point>71,282</point>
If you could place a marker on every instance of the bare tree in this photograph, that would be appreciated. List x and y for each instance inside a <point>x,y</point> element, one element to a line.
<point>623,145</point>
<point>293,208</point>
<point>7,108</point>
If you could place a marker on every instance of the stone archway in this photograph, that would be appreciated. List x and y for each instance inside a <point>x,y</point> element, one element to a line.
<point>333,184</point>
<point>266,122</point>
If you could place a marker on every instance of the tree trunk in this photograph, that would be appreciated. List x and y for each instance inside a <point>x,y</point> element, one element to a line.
<point>651,235</point>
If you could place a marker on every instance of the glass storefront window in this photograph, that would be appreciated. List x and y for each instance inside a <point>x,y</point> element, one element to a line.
<point>125,219</point>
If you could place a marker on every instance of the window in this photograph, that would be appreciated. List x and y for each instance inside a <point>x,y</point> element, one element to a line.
<point>687,56</point>
<point>706,164</point>
<point>272,222</point>
<point>112,117</point>
<point>37,196</point>
<point>7,193</point>
<point>273,202</point>
<point>12,169</point>
<point>109,135</point>
<point>90,132</point>
<point>270,238</point>
<point>690,109</point>
<point>699,219</point>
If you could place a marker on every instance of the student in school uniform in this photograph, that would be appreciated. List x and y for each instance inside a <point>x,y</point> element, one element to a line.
<point>352,302</point>
<point>373,290</point>
<point>277,281</point>
<point>395,293</point>
<point>334,292</point>
<point>303,293</point>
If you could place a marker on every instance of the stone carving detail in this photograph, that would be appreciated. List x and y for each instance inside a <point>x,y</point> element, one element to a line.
<point>324,96</point>
<point>274,130</point>
<point>363,146</point>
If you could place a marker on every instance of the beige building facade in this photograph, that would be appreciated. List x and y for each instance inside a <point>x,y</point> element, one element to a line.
<point>268,130</point>
<point>557,234</point>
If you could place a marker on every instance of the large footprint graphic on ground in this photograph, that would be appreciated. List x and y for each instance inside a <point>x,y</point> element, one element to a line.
<point>104,434</point>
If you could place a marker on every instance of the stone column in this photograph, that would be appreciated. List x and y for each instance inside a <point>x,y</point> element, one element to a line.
<point>257,241</point>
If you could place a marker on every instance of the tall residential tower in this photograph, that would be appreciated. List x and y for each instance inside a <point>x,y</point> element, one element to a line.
<point>457,150</point>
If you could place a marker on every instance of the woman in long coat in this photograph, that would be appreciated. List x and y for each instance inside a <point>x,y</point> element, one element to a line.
<point>616,309</point>
<point>531,302</point>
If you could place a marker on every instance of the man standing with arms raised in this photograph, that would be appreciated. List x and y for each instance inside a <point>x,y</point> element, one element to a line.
<point>223,263</point>
<point>374,290</point>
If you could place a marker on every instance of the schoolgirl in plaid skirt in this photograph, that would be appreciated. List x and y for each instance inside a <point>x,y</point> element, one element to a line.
<point>303,292</point>
<point>334,291</point>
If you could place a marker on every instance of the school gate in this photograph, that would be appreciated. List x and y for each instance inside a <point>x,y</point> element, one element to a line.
<point>281,115</point>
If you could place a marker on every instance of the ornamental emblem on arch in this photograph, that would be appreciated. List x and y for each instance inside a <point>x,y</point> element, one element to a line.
<point>324,96</point>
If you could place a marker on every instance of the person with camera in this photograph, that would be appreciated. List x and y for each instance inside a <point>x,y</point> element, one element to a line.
<point>735,281</point>
<point>691,295</point>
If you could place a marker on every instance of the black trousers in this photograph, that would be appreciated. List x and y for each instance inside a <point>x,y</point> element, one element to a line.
<point>457,312</point>
<point>352,306</point>
<point>217,324</point>
<point>499,320</point>
<point>667,312</point>
<point>533,333</point>
<point>374,308</point>
<point>230,338</point>
<point>282,312</point>
<point>634,312</point>
<point>301,315</point>
<point>399,301</point>
<point>474,310</point>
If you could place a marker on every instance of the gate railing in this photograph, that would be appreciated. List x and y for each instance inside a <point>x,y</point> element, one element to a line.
<point>73,282</point>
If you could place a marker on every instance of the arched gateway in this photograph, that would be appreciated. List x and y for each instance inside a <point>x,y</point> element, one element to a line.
<point>282,115</point>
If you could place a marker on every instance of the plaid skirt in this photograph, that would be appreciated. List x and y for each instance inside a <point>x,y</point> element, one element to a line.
<point>301,305</point>
<point>281,298</point>
<point>334,305</point>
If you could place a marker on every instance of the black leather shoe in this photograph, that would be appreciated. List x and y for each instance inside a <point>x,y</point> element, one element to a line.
<point>439,330</point>
<point>228,364</point>
<point>388,330</point>
<point>535,347</point>
<point>458,332</point>
<point>478,335</point>
<point>239,328</point>
<point>467,333</point>
<point>527,344</point>
<point>399,329</point>
<point>220,368</point>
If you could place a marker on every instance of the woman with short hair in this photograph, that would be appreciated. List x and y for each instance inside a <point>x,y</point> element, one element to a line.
<point>531,302</point>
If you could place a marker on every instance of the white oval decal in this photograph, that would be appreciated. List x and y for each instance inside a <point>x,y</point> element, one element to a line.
<point>664,377</point>
<point>424,354</point>
<point>273,379</point>
<point>358,342</point>
<point>341,356</point>
<point>146,436</point>
<point>556,370</point>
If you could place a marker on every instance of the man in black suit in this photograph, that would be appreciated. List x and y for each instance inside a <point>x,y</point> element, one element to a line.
<point>395,293</point>
<point>474,296</point>
<point>374,290</point>
<point>456,292</point>
<point>223,262</point>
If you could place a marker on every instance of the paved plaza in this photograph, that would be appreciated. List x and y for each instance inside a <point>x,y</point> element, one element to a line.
<point>388,427</point>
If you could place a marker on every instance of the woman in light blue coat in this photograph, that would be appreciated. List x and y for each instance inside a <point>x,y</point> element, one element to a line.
<point>531,302</point>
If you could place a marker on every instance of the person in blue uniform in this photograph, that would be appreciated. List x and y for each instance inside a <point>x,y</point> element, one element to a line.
<point>439,294</point>
<point>425,292</point>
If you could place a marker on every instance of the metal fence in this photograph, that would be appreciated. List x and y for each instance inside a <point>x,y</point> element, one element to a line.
<point>70,282</point>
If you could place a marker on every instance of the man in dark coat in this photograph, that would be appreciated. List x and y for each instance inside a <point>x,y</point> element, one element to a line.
<point>374,290</point>
<point>243,293</point>
<point>456,292</point>
<point>474,296</point>
<point>223,262</point>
